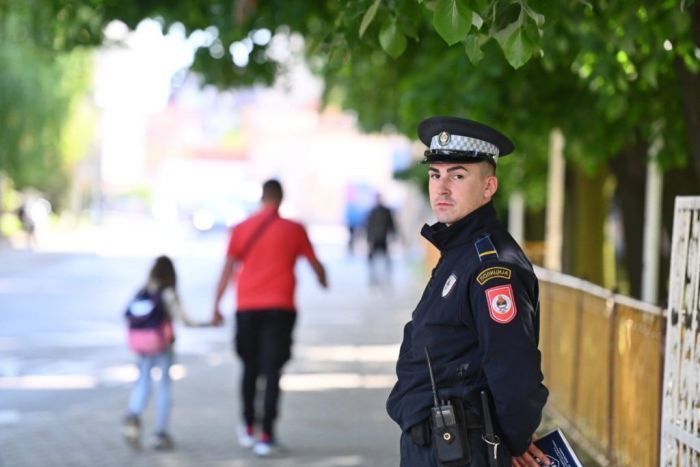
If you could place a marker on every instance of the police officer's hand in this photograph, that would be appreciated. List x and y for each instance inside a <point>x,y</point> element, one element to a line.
<point>533,457</point>
<point>217,319</point>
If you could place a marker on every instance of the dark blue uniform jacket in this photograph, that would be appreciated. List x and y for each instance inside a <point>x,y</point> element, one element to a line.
<point>479,315</point>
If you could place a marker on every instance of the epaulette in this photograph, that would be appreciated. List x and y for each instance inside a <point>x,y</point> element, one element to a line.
<point>485,249</point>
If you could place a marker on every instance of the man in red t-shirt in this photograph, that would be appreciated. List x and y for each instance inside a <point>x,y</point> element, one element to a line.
<point>263,250</point>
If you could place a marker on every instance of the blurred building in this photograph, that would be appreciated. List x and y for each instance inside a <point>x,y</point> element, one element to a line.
<point>191,151</point>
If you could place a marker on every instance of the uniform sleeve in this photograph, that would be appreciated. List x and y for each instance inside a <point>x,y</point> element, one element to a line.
<point>504,303</point>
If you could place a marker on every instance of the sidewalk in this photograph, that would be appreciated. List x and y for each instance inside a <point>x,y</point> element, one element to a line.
<point>334,389</point>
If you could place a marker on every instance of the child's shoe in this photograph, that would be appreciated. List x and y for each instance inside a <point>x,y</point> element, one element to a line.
<point>162,442</point>
<point>131,430</point>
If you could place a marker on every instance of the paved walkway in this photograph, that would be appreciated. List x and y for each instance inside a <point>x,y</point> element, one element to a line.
<point>332,411</point>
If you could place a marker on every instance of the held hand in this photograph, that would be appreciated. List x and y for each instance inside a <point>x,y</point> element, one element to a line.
<point>217,318</point>
<point>533,457</point>
<point>201,324</point>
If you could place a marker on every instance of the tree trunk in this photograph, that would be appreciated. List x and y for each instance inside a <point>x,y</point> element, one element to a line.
<point>629,168</point>
<point>590,207</point>
<point>690,91</point>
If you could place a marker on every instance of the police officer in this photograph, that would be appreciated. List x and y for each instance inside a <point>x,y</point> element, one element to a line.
<point>478,315</point>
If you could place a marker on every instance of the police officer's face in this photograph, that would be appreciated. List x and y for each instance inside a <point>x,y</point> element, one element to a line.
<point>458,189</point>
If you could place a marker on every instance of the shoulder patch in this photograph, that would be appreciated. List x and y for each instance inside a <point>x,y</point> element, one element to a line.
<point>497,272</point>
<point>501,302</point>
<point>485,249</point>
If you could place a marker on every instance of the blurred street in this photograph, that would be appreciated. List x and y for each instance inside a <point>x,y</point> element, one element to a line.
<point>65,370</point>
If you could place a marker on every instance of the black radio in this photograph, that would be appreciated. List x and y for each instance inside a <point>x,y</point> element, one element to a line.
<point>448,433</point>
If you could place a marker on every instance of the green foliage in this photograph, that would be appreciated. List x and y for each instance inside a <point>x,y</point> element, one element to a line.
<point>515,42</point>
<point>340,32</point>
<point>452,20</point>
<point>599,70</point>
<point>52,25</point>
<point>38,86</point>
<point>369,16</point>
<point>606,73</point>
<point>472,45</point>
<point>392,39</point>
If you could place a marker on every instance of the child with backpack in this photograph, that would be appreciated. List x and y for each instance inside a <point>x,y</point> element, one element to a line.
<point>151,336</point>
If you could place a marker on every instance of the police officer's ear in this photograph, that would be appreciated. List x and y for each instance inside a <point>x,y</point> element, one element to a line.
<point>490,186</point>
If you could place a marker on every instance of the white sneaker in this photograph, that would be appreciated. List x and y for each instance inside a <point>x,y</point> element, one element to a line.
<point>266,449</point>
<point>245,439</point>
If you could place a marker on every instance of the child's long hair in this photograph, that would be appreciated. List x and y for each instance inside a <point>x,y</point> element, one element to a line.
<point>163,273</point>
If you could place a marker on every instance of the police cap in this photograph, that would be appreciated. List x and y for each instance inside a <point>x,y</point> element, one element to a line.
<point>454,139</point>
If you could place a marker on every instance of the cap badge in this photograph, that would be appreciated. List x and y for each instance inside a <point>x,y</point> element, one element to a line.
<point>444,138</point>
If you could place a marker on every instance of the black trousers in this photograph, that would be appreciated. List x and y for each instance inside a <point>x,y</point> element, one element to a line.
<point>377,249</point>
<point>263,342</point>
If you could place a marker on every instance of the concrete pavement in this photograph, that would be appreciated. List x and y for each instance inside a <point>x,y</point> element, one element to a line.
<point>65,372</point>
<point>63,403</point>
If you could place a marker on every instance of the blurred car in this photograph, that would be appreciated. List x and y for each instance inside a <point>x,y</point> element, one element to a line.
<point>217,215</point>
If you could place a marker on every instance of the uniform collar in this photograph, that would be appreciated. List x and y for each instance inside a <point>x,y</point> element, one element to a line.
<point>462,231</point>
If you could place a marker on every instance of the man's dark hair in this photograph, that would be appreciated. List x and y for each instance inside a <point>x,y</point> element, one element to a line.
<point>272,191</point>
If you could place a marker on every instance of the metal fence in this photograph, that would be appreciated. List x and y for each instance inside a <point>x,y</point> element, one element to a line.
<point>602,358</point>
<point>603,363</point>
<point>681,391</point>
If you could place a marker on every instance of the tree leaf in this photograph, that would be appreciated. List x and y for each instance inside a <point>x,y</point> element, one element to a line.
<point>477,20</point>
<point>536,17</point>
<point>518,49</point>
<point>392,40</point>
<point>473,49</point>
<point>410,19</point>
<point>369,16</point>
<point>531,31</point>
<point>452,20</point>
<point>481,5</point>
<point>515,44</point>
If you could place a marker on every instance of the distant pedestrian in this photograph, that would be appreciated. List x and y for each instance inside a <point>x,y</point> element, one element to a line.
<point>26,220</point>
<point>380,225</point>
<point>150,317</point>
<point>354,217</point>
<point>266,247</point>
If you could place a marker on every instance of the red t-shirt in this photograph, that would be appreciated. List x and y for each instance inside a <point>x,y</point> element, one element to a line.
<point>266,278</point>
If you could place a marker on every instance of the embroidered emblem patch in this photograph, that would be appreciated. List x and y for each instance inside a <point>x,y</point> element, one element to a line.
<point>493,273</point>
<point>449,284</point>
<point>501,303</point>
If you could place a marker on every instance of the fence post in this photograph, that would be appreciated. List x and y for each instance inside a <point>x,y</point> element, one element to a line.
<point>611,312</point>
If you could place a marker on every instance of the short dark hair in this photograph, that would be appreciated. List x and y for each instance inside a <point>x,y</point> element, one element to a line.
<point>488,169</point>
<point>272,191</point>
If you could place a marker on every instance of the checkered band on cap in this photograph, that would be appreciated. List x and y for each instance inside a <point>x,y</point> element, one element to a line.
<point>464,143</point>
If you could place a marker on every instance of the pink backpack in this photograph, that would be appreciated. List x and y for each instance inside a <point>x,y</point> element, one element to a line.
<point>150,329</point>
